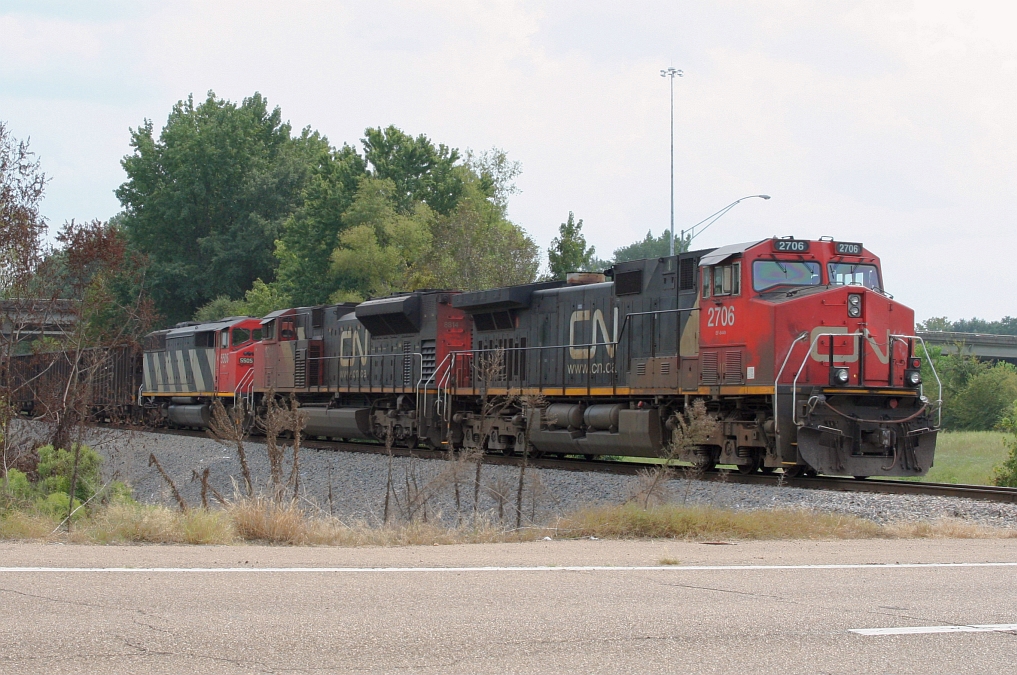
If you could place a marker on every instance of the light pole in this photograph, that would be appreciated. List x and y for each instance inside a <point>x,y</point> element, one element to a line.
<point>714,217</point>
<point>672,72</point>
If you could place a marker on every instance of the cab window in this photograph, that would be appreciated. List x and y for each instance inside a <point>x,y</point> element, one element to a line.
<point>768,274</point>
<point>269,330</point>
<point>240,336</point>
<point>706,282</point>
<point>286,330</point>
<point>848,274</point>
<point>256,335</point>
<point>726,279</point>
<point>224,339</point>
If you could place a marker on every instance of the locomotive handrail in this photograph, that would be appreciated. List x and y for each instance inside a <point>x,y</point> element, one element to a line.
<point>239,390</point>
<point>794,384</point>
<point>776,380</point>
<point>939,401</point>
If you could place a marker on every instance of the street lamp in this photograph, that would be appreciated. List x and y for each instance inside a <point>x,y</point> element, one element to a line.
<point>714,217</point>
<point>672,72</point>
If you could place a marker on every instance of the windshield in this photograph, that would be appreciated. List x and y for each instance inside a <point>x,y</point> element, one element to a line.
<point>846,274</point>
<point>769,273</point>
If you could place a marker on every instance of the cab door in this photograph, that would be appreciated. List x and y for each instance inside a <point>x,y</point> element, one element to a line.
<point>223,381</point>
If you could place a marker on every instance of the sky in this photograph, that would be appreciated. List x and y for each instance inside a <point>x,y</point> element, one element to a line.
<point>882,122</point>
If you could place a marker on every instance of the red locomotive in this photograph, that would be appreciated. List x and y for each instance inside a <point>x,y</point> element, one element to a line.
<point>802,357</point>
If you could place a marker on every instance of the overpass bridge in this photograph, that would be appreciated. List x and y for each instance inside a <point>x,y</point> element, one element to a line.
<point>982,345</point>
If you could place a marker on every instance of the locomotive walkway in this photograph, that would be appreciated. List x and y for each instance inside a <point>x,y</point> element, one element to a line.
<point>542,607</point>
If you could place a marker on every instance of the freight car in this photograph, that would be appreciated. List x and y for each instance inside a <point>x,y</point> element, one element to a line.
<point>802,357</point>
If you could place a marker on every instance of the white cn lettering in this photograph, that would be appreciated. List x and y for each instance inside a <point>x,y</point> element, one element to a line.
<point>600,334</point>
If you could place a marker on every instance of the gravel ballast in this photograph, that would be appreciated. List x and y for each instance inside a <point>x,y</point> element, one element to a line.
<point>357,484</point>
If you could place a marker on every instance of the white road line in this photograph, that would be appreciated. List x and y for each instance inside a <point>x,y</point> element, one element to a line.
<point>920,630</point>
<point>548,568</point>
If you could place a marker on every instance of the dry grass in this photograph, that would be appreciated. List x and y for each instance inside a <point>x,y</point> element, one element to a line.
<point>22,525</point>
<point>263,520</point>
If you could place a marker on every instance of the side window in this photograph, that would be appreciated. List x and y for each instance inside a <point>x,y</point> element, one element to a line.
<point>240,336</point>
<point>726,280</point>
<point>287,331</point>
<point>706,281</point>
<point>269,330</point>
<point>256,335</point>
<point>224,339</point>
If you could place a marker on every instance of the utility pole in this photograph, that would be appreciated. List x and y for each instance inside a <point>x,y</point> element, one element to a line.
<point>672,72</point>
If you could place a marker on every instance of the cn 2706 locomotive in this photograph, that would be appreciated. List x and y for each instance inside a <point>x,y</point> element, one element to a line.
<point>802,357</point>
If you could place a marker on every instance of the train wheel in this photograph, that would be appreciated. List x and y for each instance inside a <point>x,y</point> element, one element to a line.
<point>752,467</point>
<point>796,471</point>
<point>767,469</point>
<point>589,458</point>
<point>860,477</point>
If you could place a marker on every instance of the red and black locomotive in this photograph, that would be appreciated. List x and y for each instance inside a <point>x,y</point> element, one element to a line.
<point>799,353</point>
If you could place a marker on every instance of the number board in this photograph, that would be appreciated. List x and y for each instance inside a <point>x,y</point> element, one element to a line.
<point>847,248</point>
<point>790,245</point>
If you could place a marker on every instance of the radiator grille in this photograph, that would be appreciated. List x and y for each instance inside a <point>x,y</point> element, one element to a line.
<point>708,368</point>
<point>299,368</point>
<point>314,366</point>
<point>407,363</point>
<point>733,367</point>
<point>427,350</point>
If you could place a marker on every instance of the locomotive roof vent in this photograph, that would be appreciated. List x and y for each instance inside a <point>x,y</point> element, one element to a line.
<point>583,278</point>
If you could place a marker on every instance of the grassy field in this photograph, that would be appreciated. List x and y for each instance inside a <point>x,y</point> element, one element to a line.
<point>967,457</point>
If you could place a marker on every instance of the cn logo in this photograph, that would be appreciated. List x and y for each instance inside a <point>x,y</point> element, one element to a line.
<point>599,330</point>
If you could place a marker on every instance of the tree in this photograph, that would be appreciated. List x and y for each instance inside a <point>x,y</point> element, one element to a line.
<point>651,247</point>
<point>205,200</point>
<point>568,251</point>
<point>22,227</point>
<point>311,233</point>
<point>383,249</point>
<point>419,171</point>
<point>476,247</point>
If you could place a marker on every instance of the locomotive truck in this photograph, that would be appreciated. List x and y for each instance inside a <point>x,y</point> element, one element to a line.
<point>799,353</point>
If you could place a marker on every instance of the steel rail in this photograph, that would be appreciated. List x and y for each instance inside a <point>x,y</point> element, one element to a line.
<point>990,493</point>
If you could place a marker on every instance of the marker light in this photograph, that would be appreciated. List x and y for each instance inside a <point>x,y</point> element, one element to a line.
<point>854,305</point>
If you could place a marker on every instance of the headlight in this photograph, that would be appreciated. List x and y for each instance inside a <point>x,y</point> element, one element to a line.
<point>913,378</point>
<point>854,305</point>
<point>839,376</point>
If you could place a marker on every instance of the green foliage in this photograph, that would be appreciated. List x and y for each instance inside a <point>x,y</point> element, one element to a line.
<point>308,237</point>
<point>18,485</point>
<point>976,394</point>
<point>383,249</point>
<point>476,247</point>
<point>419,171</point>
<point>1005,326</point>
<point>56,465</point>
<point>261,299</point>
<point>56,504</point>
<point>984,399</point>
<point>651,247</point>
<point>568,251</point>
<point>205,201</point>
<point>1006,472</point>
<point>220,308</point>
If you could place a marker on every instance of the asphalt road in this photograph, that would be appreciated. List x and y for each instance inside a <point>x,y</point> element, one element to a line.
<point>754,608</point>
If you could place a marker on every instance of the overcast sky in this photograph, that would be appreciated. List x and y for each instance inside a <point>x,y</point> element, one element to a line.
<point>889,123</point>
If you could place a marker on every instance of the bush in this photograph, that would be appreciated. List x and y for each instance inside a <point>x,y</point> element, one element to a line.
<point>18,485</point>
<point>985,399</point>
<point>57,464</point>
<point>1006,473</point>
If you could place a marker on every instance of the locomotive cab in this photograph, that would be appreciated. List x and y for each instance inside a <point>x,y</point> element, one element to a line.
<point>809,324</point>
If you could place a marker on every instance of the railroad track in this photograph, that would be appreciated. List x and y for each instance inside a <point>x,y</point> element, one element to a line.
<point>988,493</point>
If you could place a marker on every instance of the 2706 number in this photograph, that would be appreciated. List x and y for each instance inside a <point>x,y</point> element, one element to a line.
<point>720,316</point>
